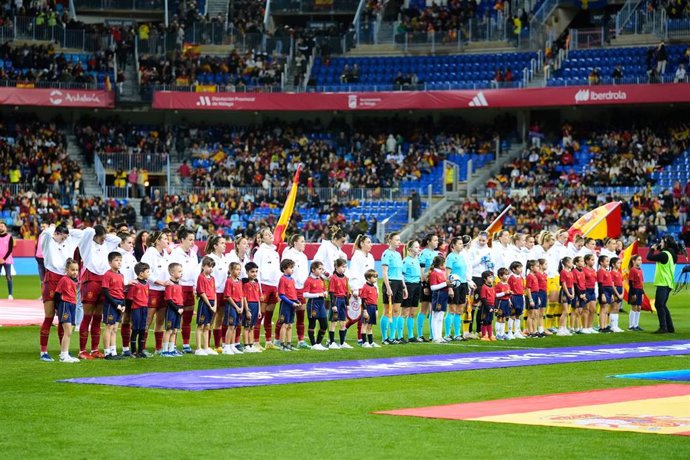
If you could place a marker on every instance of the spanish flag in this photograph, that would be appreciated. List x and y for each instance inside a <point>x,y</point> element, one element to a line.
<point>497,225</point>
<point>604,221</point>
<point>626,257</point>
<point>286,214</point>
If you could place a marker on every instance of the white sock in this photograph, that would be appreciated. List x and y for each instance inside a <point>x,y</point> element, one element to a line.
<point>636,318</point>
<point>541,329</point>
<point>64,354</point>
<point>171,346</point>
<point>631,319</point>
<point>517,325</point>
<point>125,349</point>
<point>614,320</point>
<point>165,346</point>
<point>511,323</point>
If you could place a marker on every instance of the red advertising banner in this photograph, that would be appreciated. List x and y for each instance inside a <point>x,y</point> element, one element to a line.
<point>54,97</point>
<point>425,100</point>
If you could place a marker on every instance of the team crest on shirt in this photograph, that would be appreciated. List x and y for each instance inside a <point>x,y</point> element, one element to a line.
<point>154,302</point>
<point>89,295</point>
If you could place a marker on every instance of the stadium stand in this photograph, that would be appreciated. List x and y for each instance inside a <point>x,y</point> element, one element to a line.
<point>419,72</point>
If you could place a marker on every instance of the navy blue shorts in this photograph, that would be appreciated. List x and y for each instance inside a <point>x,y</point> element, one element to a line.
<point>635,297</point>
<point>204,315</point>
<point>341,314</point>
<point>372,310</point>
<point>111,315</point>
<point>316,308</point>
<point>504,309</point>
<point>139,316</point>
<point>536,300</point>
<point>486,315</point>
<point>543,299</point>
<point>591,295</point>
<point>518,304</point>
<point>254,310</point>
<point>606,294</point>
<point>619,291</point>
<point>439,300</point>
<point>230,316</point>
<point>172,319</point>
<point>67,313</point>
<point>287,313</point>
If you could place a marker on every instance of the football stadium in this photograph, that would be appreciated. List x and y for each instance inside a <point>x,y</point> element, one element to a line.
<point>440,228</point>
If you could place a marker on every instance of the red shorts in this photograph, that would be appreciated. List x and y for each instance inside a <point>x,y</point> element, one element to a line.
<point>269,294</point>
<point>300,297</point>
<point>188,296</point>
<point>156,299</point>
<point>50,282</point>
<point>92,288</point>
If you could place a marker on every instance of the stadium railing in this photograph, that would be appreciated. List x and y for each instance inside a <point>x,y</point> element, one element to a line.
<point>325,193</point>
<point>47,84</point>
<point>25,28</point>
<point>215,33</point>
<point>313,6</point>
<point>145,5</point>
<point>152,162</point>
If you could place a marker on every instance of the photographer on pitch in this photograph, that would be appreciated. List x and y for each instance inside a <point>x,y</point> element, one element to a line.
<point>665,254</point>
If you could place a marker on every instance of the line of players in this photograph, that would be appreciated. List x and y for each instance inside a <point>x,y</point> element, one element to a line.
<point>238,291</point>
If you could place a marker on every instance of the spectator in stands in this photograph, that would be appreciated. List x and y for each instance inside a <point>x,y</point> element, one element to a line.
<point>354,75</point>
<point>346,76</point>
<point>498,79</point>
<point>593,78</point>
<point>185,173</point>
<point>617,74</point>
<point>120,180</point>
<point>132,182</point>
<point>661,56</point>
<point>681,75</point>
<point>145,211</point>
<point>399,81</point>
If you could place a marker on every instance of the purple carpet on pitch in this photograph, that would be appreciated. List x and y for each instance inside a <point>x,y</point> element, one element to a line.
<point>217,379</point>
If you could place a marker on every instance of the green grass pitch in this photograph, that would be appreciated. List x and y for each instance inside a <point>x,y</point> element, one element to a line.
<point>44,419</point>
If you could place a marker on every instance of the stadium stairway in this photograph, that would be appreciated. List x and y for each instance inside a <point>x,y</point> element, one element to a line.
<point>475,185</point>
<point>91,187</point>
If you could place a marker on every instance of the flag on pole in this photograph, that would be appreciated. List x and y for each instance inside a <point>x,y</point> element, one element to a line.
<point>602,222</point>
<point>497,225</point>
<point>286,214</point>
<point>626,257</point>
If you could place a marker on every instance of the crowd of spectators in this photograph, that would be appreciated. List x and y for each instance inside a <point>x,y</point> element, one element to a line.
<point>236,71</point>
<point>376,154</point>
<point>33,155</point>
<point>617,157</point>
<point>546,193</point>
<point>29,210</point>
<point>113,136</point>
<point>229,211</point>
<point>29,64</point>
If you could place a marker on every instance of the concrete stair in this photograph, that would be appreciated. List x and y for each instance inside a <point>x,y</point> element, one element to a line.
<point>215,7</point>
<point>635,40</point>
<point>91,186</point>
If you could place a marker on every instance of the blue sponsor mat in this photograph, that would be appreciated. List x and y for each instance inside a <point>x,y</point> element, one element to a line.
<point>682,375</point>
<point>212,379</point>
